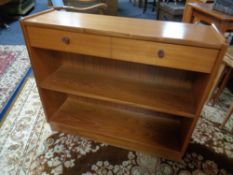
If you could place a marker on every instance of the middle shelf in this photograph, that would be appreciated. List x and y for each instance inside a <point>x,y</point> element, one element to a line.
<point>109,87</point>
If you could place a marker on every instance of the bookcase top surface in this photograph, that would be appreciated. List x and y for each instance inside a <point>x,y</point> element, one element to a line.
<point>152,30</point>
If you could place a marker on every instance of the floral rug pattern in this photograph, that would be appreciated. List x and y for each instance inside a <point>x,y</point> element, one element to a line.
<point>23,132</point>
<point>6,57</point>
<point>28,146</point>
<point>68,154</point>
<point>209,135</point>
<point>14,63</point>
<point>218,112</point>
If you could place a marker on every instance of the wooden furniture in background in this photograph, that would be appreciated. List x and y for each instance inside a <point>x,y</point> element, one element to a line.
<point>224,74</point>
<point>200,1</point>
<point>112,8</point>
<point>172,11</point>
<point>160,4</point>
<point>186,10</point>
<point>202,12</point>
<point>136,84</point>
<point>145,2</point>
<point>229,113</point>
<point>178,8</point>
<point>3,2</point>
<point>95,8</point>
<point>112,5</point>
<point>80,5</point>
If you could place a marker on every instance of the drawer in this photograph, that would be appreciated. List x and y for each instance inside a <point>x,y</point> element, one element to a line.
<point>69,41</point>
<point>166,55</point>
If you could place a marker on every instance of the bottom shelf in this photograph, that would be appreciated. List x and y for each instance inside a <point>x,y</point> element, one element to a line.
<point>156,133</point>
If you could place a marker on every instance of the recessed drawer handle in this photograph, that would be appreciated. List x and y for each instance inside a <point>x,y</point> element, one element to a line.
<point>66,40</point>
<point>161,53</point>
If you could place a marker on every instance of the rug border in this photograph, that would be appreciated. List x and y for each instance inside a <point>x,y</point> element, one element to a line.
<point>14,93</point>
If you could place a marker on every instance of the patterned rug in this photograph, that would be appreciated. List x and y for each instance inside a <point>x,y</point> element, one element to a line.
<point>14,64</point>
<point>28,146</point>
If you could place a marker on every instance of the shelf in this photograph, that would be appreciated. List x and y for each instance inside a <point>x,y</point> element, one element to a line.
<point>124,127</point>
<point>131,90</point>
<point>120,90</point>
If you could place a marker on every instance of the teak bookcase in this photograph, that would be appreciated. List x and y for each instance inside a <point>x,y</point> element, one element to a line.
<point>136,84</point>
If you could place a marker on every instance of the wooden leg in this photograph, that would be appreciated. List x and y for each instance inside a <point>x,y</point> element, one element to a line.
<point>140,2</point>
<point>188,14</point>
<point>145,6</point>
<point>223,84</point>
<point>230,111</point>
<point>157,9</point>
<point>223,27</point>
<point>216,81</point>
<point>50,3</point>
<point>154,4</point>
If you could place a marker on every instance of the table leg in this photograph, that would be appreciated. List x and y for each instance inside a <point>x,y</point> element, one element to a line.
<point>188,14</point>
<point>223,27</point>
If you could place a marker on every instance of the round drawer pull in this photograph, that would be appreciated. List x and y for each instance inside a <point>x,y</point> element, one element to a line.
<point>161,53</point>
<point>66,40</point>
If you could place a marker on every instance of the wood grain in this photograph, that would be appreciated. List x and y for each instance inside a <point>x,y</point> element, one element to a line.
<point>125,91</point>
<point>77,42</point>
<point>200,12</point>
<point>175,56</point>
<point>196,59</point>
<point>127,126</point>
<point>205,83</point>
<point>208,10</point>
<point>168,32</point>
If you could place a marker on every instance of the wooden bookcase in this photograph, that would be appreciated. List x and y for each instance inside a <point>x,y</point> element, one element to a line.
<point>136,84</point>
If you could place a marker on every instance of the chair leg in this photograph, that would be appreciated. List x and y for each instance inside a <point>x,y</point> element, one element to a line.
<point>140,3</point>
<point>222,85</point>
<point>134,2</point>
<point>157,9</point>
<point>145,6</point>
<point>230,111</point>
<point>154,3</point>
<point>4,24</point>
<point>216,81</point>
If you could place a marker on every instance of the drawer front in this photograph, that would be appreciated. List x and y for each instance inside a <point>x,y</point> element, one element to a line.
<point>167,55</point>
<point>69,41</point>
